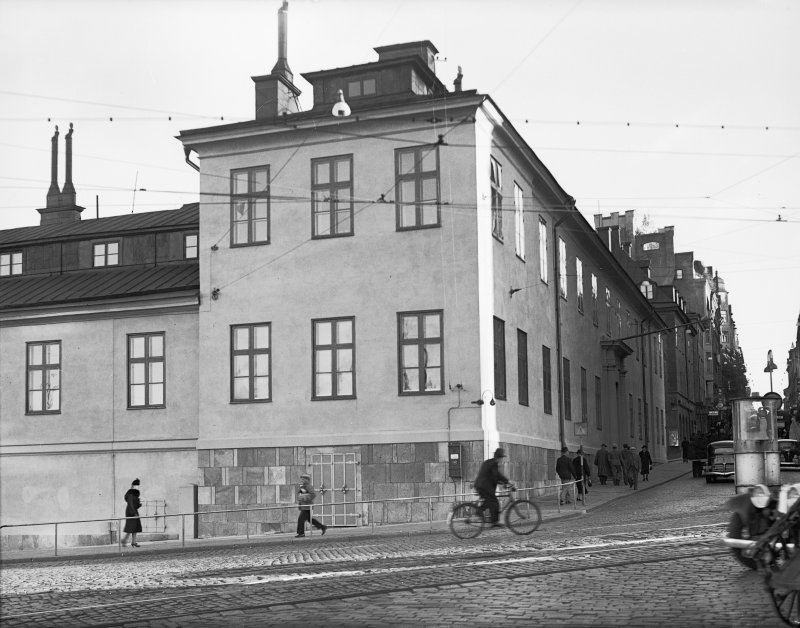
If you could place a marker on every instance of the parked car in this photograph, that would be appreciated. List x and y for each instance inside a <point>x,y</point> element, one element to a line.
<point>790,454</point>
<point>719,461</point>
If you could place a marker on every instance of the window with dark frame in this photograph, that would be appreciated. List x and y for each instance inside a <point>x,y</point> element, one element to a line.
<point>522,367</point>
<point>146,371</point>
<point>584,397</point>
<point>420,352</point>
<point>332,196</point>
<point>334,358</point>
<point>542,249</point>
<point>251,363</point>
<point>361,87</point>
<point>43,388</point>
<point>417,187</point>
<point>547,381</point>
<point>496,180</point>
<point>565,375</point>
<point>250,214</point>
<point>10,263</point>
<point>190,246</point>
<point>106,254</point>
<point>499,359</point>
<point>598,403</point>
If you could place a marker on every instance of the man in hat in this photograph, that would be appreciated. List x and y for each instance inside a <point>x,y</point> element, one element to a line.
<point>486,483</point>
<point>566,474</point>
<point>305,497</point>
<point>603,464</point>
<point>615,460</point>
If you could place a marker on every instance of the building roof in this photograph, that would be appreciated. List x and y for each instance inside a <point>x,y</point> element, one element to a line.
<point>97,284</point>
<point>187,216</point>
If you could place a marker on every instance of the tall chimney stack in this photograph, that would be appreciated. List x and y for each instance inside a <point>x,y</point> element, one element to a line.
<point>276,94</point>
<point>61,207</point>
<point>53,194</point>
<point>68,191</point>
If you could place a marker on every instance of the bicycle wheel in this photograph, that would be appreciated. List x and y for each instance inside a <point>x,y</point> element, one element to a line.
<point>466,520</point>
<point>523,516</point>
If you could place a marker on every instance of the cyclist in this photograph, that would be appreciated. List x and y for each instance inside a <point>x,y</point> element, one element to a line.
<point>486,483</point>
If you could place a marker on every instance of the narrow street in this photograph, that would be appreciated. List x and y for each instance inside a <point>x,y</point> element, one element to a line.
<point>651,559</point>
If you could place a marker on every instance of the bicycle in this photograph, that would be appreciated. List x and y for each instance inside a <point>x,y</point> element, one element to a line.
<point>522,516</point>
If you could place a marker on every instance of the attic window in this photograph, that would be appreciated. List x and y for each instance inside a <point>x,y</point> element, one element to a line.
<point>650,246</point>
<point>418,86</point>
<point>679,274</point>
<point>106,254</point>
<point>10,264</point>
<point>361,87</point>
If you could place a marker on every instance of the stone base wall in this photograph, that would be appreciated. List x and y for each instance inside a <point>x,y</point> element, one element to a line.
<point>405,482</point>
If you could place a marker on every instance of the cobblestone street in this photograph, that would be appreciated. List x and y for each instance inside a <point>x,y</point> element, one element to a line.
<point>650,558</point>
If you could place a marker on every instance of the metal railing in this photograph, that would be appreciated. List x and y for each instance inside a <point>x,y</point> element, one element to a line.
<point>533,493</point>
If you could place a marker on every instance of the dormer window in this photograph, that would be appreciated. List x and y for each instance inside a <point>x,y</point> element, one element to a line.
<point>106,254</point>
<point>361,87</point>
<point>679,274</point>
<point>418,86</point>
<point>10,264</point>
<point>646,289</point>
<point>190,246</point>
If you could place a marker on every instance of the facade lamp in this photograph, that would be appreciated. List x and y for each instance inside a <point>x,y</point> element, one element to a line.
<point>341,108</point>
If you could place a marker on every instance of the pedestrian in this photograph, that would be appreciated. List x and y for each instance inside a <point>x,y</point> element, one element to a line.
<point>615,460</point>
<point>133,525</point>
<point>583,474</point>
<point>305,497</point>
<point>489,476</point>
<point>631,465</point>
<point>685,444</point>
<point>603,464</point>
<point>794,427</point>
<point>566,474</point>
<point>646,463</point>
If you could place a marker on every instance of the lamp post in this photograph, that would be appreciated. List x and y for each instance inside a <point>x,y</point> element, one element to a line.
<point>771,366</point>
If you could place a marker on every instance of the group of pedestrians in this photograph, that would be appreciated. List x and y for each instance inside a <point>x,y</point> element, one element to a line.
<point>623,466</point>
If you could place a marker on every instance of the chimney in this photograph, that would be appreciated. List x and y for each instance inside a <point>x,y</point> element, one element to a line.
<point>68,191</point>
<point>53,195</point>
<point>61,207</point>
<point>276,93</point>
<point>457,82</point>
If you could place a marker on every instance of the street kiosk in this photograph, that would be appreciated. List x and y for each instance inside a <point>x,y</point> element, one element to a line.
<point>755,442</point>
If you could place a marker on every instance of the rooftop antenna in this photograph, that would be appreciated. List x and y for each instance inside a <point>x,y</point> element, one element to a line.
<point>135,183</point>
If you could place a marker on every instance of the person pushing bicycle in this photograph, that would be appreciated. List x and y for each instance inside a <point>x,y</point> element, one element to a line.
<point>486,483</point>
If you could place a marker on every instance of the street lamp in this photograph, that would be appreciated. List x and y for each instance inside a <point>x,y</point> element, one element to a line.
<point>771,366</point>
<point>480,402</point>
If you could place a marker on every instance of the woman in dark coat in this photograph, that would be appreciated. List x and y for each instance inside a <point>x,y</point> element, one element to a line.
<point>133,525</point>
<point>647,463</point>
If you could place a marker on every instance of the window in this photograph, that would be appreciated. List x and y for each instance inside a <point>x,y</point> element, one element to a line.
<point>547,381</point>
<point>496,179</point>
<point>106,254</point>
<point>619,319</point>
<point>679,274</point>
<point>361,87</point>
<point>190,246</point>
<point>562,268</point>
<point>10,264</point>
<point>579,283</point>
<point>250,206</point>
<point>421,352</point>
<point>608,311</point>
<point>334,358</point>
<point>146,370</point>
<point>519,222</point>
<point>522,366</point>
<point>543,250</point>
<point>499,359</point>
<point>594,299</point>
<point>567,390</point>
<point>251,362</point>
<point>584,397</point>
<point>417,187</point>
<point>332,196</point>
<point>598,403</point>
<point>418,86</point>
<point>646,288</point>
<point>44,377</point>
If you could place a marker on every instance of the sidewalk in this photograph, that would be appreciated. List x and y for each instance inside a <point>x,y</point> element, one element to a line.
<point>597,496</point>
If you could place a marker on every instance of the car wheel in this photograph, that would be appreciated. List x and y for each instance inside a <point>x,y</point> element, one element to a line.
<point>738,530</point>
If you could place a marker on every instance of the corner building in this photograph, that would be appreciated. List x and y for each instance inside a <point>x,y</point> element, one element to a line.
<point>387,296</point>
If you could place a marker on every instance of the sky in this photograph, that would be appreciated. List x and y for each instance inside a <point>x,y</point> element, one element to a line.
<point>686,111</point>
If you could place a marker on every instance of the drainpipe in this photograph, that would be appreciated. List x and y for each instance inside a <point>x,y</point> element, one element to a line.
<point>187,151</point>
<point>570,204</point>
